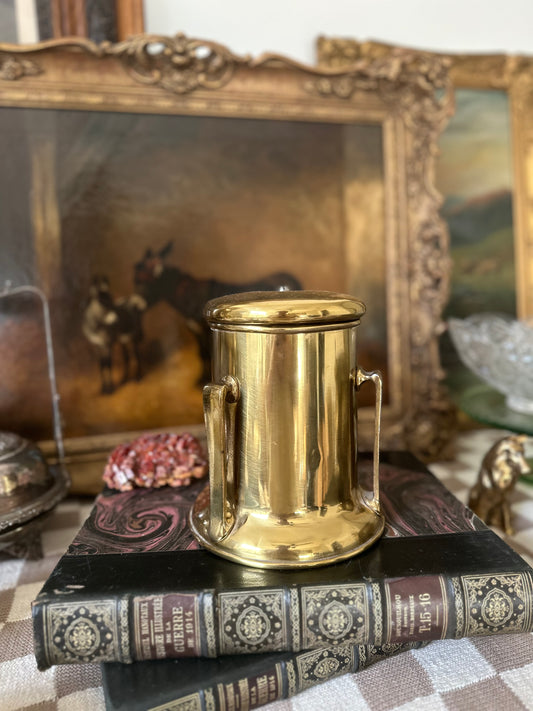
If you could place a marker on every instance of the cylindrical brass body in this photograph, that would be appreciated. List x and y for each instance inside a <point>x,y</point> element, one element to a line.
<point>294,448</point>
<point>284,489</point>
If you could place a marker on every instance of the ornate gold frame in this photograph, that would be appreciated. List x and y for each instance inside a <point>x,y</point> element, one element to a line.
<point>399,90</point>
<point>513,74</point>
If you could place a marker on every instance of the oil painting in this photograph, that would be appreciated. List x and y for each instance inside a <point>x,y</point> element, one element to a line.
<point>474,174</point>
<point>130,222</point>
<point>157,172</point>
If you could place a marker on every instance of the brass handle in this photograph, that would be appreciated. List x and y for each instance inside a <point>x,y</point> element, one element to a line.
<point>362,376</point>
<point>220,430</point>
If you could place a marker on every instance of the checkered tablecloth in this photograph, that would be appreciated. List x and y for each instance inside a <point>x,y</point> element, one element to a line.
<point>487,673</point>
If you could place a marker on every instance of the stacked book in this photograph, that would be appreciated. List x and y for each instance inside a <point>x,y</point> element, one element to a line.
<point>176,627</point>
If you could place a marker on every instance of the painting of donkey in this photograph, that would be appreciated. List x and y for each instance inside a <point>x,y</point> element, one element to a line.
<point>155,281</point>
<point>109,323</point>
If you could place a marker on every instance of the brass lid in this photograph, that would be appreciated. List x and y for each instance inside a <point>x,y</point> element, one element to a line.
<point>287,308</point>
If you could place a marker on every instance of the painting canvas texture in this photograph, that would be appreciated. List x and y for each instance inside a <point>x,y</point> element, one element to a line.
<point>474,174</point>
<point>135,211</point>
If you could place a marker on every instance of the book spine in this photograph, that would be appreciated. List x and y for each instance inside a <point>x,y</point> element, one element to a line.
<point>287,678</point>
<point>238,688</point>
<point>78,629</point>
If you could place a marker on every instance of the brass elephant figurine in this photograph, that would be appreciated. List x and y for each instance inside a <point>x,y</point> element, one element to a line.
<point>500,469</point>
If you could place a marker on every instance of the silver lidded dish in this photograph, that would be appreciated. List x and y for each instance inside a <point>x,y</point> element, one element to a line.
<point>29,486</point>
<point>499,350</point>
<point>21,464</point>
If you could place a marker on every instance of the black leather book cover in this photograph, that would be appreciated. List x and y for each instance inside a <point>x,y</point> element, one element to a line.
<point>134,585</point>
<point>232,683</point>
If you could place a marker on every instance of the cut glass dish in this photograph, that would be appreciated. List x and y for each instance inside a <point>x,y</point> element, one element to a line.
<point>499,350</point>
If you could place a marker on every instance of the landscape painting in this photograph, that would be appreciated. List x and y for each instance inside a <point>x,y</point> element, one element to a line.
<point>130,222</point>
<point>474,174</point>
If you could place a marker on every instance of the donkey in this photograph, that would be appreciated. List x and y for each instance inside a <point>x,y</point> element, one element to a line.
<point>109,322</point>
<point>156,281</point>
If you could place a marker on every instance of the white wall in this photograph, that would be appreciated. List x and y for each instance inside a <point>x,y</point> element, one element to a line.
<point>291,26</point>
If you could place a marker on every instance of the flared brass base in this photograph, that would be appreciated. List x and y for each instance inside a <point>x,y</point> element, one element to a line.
<point>313,538</point>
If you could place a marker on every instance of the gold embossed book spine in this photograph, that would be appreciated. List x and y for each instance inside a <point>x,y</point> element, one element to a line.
<point>134,585</point>
<point>232,683</point>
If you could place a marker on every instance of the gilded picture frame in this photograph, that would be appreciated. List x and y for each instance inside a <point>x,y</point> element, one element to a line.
<point>401,96</point>
<point>500,72</point>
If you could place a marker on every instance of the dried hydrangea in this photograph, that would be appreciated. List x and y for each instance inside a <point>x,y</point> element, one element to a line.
<point>155,460</point>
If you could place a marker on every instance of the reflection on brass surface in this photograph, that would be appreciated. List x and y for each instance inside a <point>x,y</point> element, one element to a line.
<point>282,441</point>
<point>500,469</point>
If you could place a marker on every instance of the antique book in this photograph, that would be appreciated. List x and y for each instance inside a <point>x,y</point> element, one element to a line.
<point>232,683</point>
<point>134,586</point>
